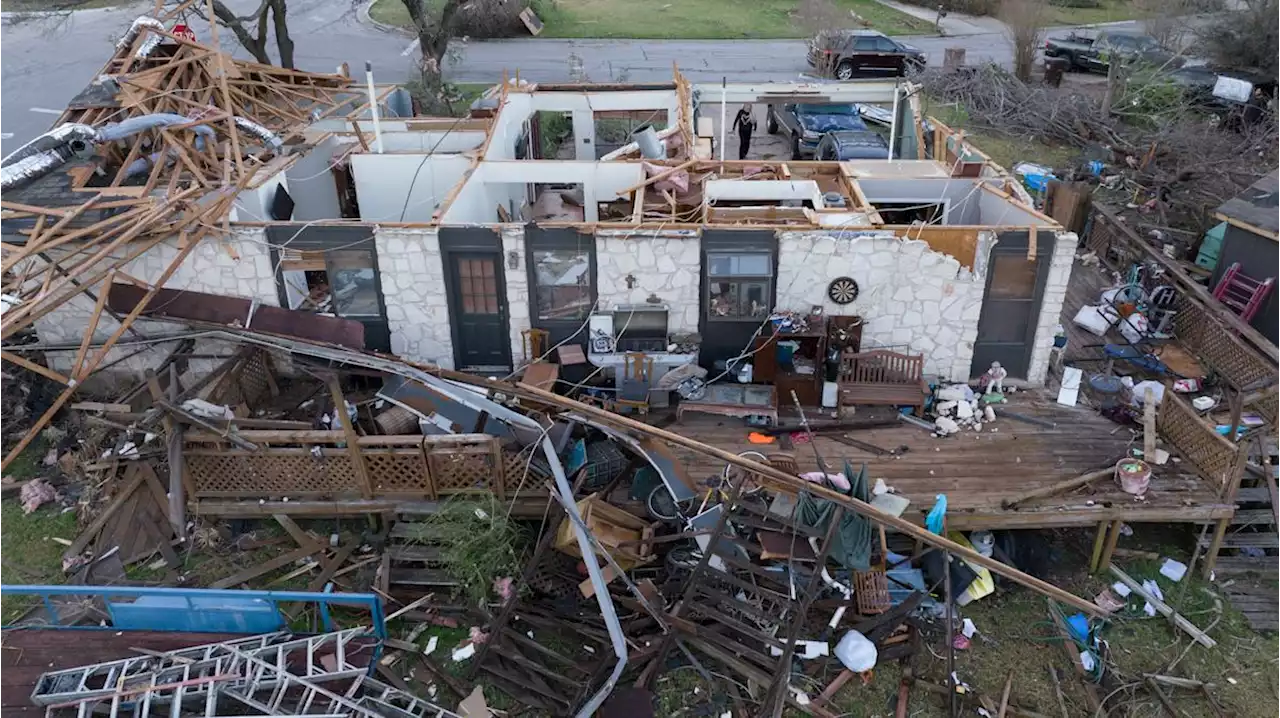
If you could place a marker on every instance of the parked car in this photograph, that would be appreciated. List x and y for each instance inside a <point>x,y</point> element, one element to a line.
<point>852,53</point>
<point>1093,54</point>
<point>806,124</point>
<point>851,145</point>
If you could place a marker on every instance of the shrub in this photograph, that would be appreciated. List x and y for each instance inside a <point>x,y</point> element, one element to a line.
<point>490,19</point>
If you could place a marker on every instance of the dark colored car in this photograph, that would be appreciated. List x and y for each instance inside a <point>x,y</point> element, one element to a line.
<point>851,145</point>
<point>806,124</point>
<point>853,53</point>
<point>1093,54</point>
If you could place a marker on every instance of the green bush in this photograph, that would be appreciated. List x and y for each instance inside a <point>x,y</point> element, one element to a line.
<point>1076,3</point>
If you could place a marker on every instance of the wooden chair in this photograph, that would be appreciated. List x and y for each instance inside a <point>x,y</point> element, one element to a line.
<point>636,380</point>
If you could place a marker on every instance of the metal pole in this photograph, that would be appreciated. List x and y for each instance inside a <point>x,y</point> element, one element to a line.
<point>893,122</point>
<point>373,108</point>
<point>951,635</point>
<point>724,113</point>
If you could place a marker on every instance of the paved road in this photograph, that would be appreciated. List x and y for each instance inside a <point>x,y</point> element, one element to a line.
<point>45,62</point>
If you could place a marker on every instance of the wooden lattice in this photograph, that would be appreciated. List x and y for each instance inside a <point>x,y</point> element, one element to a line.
<point>871,591</point>
<point>1221,349</point>
<point>1268,407</point>
<point>270,472</point>
<point>465,463</point>
<point>1213,455</point>
<point>249,382</point>
<point>399,472</point>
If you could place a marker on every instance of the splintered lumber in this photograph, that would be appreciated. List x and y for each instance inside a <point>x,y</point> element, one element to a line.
<point>1061,486</point>
<point>1178,619</point>
<point>658,177</point>
<point>257,570</point>
<point>795,483</point>
<point>82,541</point>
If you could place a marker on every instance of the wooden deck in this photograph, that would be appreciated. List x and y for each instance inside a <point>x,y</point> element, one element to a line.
<point>977,471</point>
<point>25,653</point>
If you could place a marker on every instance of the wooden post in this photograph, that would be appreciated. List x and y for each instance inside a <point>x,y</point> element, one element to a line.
<point>1211,556</point>
<point>1098,539</point>
<point>1149,426</point>
<point>352,438</point>
<point>1105,561</point>
<point>177,497</point>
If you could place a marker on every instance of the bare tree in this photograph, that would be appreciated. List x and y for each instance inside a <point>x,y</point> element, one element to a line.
<point>1024,22</point>
<point>1248,38</point>
<point>253,31</point>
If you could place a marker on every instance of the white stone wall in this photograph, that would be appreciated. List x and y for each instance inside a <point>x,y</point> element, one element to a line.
<point>517,280</point>
<point>238,267</point>
<point>1055,293</point>
<point>912,298</point>
<point>412,275</point>
<point>665,265</point>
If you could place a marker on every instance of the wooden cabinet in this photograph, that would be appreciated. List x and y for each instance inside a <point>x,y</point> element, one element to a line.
<point>799,370</point>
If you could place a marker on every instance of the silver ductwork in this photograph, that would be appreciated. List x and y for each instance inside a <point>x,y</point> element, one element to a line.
<point>134,125</point>
<point>71,133</point>
<point>132,33</point>
<point>650,146</point>
<point>268,137</point>
<point>33,166</point>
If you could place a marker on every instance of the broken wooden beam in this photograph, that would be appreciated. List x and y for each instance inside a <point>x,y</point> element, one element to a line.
<point>1059,487</point>
<point>1178,619</point>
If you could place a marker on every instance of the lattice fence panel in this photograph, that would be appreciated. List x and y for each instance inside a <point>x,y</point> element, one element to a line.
<point>465,463</point>
<point>248,383</point>
<point>1212,454</point>
<point>1218,347</point>
<point>399,472</point>
<point>270,472</point>
<point>1268,408</point>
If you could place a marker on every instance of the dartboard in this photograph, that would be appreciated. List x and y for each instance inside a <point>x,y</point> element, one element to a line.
<point>842,290</point>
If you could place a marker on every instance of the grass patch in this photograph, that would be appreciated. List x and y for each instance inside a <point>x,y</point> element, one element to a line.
<point>1107,11</point>
<point>30,554</point>
<point>689,20</point>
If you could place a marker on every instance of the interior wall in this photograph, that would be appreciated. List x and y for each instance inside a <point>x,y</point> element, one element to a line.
<point>505,182</point>
<point>312,185</point>
<point>383,182</point>
<point>434,142</point>
<point>1000,212</point>
<point>962,195</point>
<point>253,205</point>
<point>912,299</point>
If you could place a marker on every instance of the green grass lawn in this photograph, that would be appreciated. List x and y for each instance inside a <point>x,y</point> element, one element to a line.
<point>689,20</point>
<point>1109,11</point>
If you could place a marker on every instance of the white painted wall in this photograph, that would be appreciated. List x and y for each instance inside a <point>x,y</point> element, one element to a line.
<point>384,181</point>
<point>505,181</point>
<point>311,183</point>
<point>999,212</point>
<point>912,298</point>
<point>665,265</point>
<point>252,205</point>
<point>434,142</point>
<point>1055,294</point>
<point>962,196</point>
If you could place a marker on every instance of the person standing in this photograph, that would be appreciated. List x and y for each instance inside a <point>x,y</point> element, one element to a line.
<point>744,124</point>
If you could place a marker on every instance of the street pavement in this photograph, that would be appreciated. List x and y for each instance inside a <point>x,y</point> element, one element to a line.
<point>45,61</point>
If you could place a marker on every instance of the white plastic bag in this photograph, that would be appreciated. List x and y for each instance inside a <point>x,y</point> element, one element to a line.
<point>1134,327</point>
<point>1095,320</point>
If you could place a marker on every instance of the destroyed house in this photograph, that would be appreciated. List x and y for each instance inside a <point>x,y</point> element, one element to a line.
<point>303,302</point>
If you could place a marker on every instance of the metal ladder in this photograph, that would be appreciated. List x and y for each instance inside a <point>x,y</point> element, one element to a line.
<point>392,702</point>
<point>106,678</point>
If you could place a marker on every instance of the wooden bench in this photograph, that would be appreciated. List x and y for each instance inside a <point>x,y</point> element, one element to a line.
<point>881,377</point>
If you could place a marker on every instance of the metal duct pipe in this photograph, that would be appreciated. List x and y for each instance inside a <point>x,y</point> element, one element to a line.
<point>268,137</point>
<point>52,140</point>
<point>132,33</point>
<point>33,166</point>
<point>651,147</point>
<point>134,125</point>
<point>373,108</point>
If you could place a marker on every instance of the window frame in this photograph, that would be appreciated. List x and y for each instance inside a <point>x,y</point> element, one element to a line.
<point>551,241</point>
<point>316,239</point>
<point>768,280</point>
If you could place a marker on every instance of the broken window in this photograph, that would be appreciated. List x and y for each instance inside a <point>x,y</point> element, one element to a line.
<point>562,283</point>
<point>739,285</point>
<point>339,282</point>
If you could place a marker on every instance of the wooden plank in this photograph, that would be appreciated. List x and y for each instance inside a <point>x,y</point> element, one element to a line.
<point>1059,487</point>
<point>81,542</point>
<point>352,438</point>
<point>1113,538</point>
<point>253,572</point>
<point>1178,620</point>
<point>302,538</point>
<point>329,567</point>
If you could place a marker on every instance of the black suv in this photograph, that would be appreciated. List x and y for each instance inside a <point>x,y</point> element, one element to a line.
<point>852,53</point>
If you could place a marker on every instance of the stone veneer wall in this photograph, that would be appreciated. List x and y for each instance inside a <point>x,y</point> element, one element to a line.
<point>1055,294</point>
<point>666,265</point>
<point>239,267</point>
<point>412,274</point>
<point>913,298</point>
<point>518,316</point>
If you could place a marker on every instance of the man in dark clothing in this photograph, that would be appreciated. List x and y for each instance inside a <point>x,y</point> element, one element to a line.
<point>744,125</point>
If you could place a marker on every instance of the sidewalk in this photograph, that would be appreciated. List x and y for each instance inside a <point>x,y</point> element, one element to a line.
<point>954,24</point>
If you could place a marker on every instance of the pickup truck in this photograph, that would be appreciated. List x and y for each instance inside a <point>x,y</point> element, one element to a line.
<point>806,124</point>
<point>1093,54</point>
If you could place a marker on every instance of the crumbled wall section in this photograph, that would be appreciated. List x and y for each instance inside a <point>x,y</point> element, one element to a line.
<point>914,300</point>
<point>517,280</point>
<point>666,266</point>
<point>1055,294</point>
<point>412,274</point>
<point>238,267</point>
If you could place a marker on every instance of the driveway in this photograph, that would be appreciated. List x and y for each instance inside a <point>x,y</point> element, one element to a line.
<point>44,62</point>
